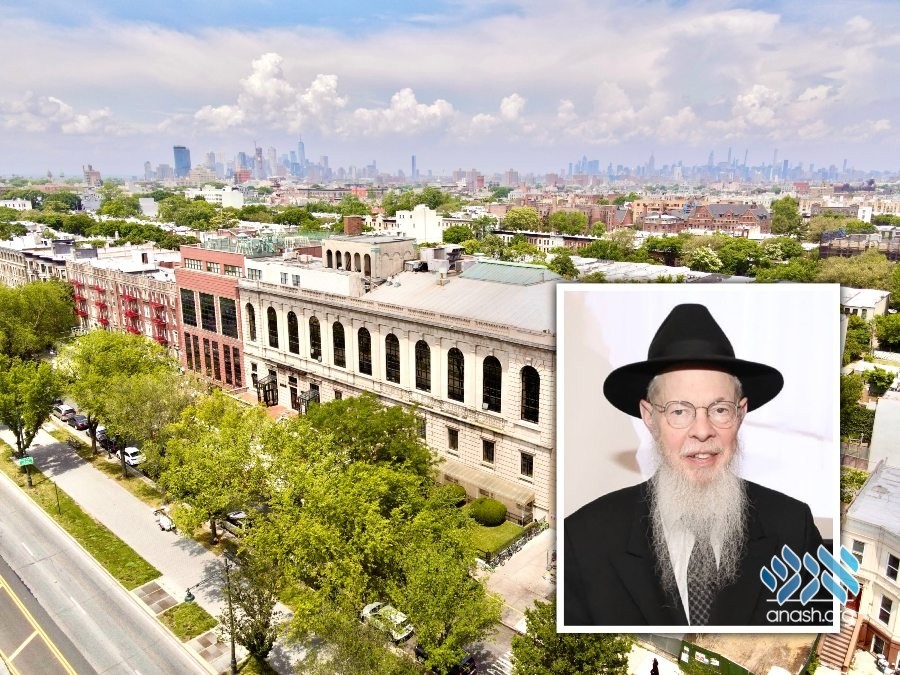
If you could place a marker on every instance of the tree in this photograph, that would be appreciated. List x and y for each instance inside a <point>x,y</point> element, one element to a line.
<point>887,331</point>
<point>500,192</point>
<point>522,218</point>
<point>120,207</point>
<point>568,222</point>
<point>196,215</point>
<point>856,420</point>
<point>63,200</point>
<point>9,230</point>
<point>522,251</point>
<point>869,269</point>
<point>350,205</point>
<point>118,377</point>
<point>482,226</point>
<point>27,393</point>
<point>786,218</point>
<point>739,256</point>
<point>802,270</point>
<point>562,264</point>
<point>34,316</point>
<point>543,651</point>
<point>780,249</point>
<point>457,233</point>
<point>254,586</point>
<point>214,460</point>
<point>630,197</point>
<point>603,249</point>
<point>623,237</point>
<point>879,380</point>
<point>858,342</point>
<point>593,278</point>
<point>297,216</point>
<point>705,260</point>
<point>852,481</point>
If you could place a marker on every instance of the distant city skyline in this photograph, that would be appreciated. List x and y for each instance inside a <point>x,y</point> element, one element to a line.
<point>491,85</point>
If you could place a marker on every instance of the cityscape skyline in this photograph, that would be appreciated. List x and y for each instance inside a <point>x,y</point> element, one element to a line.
<point>492,85</point>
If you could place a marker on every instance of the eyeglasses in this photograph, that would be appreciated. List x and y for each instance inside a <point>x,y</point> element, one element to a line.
<point>681,414</point>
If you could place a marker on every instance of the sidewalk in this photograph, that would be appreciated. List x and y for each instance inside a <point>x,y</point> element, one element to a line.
<point>182,561</point>
<point>523,579</point>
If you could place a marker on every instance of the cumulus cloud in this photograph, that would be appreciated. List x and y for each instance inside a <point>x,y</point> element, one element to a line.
<point>511,107</point>
<point>33,113</point>
<point>404,115</point>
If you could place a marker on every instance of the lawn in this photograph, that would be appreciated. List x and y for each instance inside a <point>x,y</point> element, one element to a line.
<point>117,557</point>
<point>187,620</point>
<point>494,539</point>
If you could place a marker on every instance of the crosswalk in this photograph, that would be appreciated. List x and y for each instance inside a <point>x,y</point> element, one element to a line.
<point>502,665</point>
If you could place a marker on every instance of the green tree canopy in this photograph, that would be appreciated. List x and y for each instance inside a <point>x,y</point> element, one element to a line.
<point>562,264</point>
<point>34,316</point>
<point>522,218</point>
<point>120,207</point>
<point>544,651</point>
<point>704,259</point>
<point>27,392</point>
<point>869,269</point>
<point>630,197</point>
<point>858,342</point>
<point>456,234</point>
<point>568,222</point>
<point>878,380</point>
<point>786,218</point>
<point>501,192</point>
<point>887,331</point>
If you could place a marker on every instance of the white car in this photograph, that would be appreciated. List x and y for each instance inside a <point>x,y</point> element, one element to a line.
<point>389,619</point>
<point>133,456</point>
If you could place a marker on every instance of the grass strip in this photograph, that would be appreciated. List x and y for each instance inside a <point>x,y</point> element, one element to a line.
<point>494,539</point>
<point>116,556</point>
<point>187,620</point>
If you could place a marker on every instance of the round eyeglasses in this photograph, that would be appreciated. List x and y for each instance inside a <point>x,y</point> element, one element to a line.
<point>681,414</point>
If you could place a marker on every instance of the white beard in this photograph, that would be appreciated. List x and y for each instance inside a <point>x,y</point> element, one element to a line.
<point>714,509</point>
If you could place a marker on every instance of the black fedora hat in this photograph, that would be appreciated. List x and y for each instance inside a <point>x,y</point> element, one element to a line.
<point>690,335</point>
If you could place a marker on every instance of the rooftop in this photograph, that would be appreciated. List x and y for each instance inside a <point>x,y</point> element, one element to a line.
<point>504,272</point>
<point>861,297</point>
<point>482,295</point>
<point>878,502</point>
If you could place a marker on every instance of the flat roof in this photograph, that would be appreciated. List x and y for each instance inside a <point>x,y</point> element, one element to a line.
<point>524,306</point>
<point>878,502</point>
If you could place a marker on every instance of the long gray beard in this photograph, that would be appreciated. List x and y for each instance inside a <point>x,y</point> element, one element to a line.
<point>717,509</point>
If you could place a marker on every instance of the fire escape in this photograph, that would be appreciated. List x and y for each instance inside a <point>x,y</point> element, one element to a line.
<point>160,326</point>
<point>132,315</point>
<point>80,301</point>
<point>102,307</point>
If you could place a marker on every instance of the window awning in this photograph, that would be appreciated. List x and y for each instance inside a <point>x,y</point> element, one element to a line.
<point>500,487</point>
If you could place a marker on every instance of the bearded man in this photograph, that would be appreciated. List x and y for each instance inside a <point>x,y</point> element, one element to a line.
<point>686,547</point>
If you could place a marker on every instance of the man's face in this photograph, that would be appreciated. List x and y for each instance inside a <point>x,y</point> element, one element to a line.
<point>700,451</point>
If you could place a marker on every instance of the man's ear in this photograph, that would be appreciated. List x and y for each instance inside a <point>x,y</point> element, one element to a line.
<point>647,415</point>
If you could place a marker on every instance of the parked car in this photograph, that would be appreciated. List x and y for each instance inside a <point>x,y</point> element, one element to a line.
<point>164,520</point>
<point>100,433</point>
<point>63,412</point>
<point>466,665</point>
<point>78,421</point>
<point>132,455</point>
<point>388,619</point>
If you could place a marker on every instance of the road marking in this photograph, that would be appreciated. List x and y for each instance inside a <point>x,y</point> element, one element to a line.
<point>22,646</point>
<point>27,549</point>
<point>37,628</point>
<point>75,602</point>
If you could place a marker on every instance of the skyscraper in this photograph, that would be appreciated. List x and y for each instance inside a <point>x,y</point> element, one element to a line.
<point>182,161</point>
<point>414,174</point>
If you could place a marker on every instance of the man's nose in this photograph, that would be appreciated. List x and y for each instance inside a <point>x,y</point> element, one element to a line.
<point>701,429</point>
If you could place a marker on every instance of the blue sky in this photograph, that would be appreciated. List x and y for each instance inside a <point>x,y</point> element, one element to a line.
<point>460,83</point>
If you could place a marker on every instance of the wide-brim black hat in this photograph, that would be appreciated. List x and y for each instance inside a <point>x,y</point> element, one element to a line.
<point>690,336</point>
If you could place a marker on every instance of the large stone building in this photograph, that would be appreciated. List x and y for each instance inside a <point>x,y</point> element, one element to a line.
<point>473,350</point>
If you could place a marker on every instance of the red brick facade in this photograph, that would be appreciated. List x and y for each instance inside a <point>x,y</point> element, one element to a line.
<point>211,329</point>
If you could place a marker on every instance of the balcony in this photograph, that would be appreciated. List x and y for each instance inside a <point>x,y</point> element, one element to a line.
<point>156,304</point>
<point>79,297</point>
<point>132,314</point>
<point>127,297</point>
<point>99,289</point>
<point>81,313</point>
<point>103,321</point>
<point>133,329</point>
<point>101,304</point>
<point>77,284</point>
<point>159,320</point>
<point>162,339</point>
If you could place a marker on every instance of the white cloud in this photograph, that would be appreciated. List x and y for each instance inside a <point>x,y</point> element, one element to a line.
<point>38,114</point>
<point>511,107</point>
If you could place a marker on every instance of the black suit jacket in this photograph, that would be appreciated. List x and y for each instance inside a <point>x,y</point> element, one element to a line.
<point>610,576</point>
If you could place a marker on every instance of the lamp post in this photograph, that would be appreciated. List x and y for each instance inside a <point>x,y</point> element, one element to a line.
<point>227,558</point>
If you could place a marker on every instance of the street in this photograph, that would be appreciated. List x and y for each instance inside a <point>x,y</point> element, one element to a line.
<point>104,624</point>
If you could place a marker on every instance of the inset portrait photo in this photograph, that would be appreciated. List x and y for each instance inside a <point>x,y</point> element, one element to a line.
<point>698,475</point>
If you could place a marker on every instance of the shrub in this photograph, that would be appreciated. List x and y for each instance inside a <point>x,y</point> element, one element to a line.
<point>488,512</point>
<point>456,493</point>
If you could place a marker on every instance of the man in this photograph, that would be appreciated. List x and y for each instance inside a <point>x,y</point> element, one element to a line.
<point>686,547</point>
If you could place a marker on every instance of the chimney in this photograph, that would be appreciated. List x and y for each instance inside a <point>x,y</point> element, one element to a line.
<point>353,225</point>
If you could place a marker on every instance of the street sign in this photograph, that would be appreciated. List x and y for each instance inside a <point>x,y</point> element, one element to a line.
<point>25,461</point>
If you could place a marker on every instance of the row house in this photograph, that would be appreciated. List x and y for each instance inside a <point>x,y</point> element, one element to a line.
<point>871,530</point>
<point>473,351</point>
<point>137,298</point>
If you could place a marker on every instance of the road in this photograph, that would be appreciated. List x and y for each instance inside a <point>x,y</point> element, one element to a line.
<point>79,599</point>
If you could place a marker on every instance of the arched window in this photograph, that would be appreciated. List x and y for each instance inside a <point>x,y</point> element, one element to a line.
<point>337,341</point>
<point>328,258</point>
<point>364,341</point>
<point>272,319</point>
<point>423,366</point>
<point>392,358</point>
<point>456,382</point>
<point>293,334</point>
<point>315,339</point>
<point>531,394</point>
<point>251,320</point>
<point>492,378</point>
